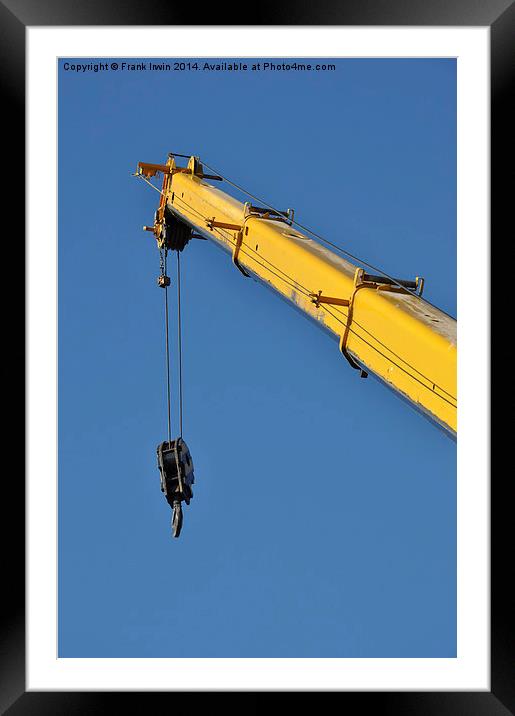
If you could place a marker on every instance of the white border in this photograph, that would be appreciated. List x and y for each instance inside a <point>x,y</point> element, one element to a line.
<point>470,671</point>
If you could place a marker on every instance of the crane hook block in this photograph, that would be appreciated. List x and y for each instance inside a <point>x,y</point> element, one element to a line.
<point>176,473</point>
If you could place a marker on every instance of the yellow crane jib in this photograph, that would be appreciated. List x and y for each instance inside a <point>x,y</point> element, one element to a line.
<point>383,325</point>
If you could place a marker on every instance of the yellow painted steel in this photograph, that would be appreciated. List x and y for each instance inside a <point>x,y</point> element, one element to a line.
<point>402,339</point>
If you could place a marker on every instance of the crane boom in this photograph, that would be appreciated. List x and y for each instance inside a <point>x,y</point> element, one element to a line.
<point>382,325</point>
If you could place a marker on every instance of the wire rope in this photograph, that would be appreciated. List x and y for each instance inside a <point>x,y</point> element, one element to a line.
<point>167,343</point>
<point>179,336</point>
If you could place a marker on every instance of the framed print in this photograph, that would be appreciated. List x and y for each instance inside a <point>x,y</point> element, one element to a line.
<point>336,540</point>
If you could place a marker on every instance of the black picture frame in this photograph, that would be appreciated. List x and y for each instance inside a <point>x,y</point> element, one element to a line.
<point>15,16</point>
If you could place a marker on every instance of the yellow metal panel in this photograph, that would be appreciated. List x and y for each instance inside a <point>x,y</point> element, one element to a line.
<point>403,340</point>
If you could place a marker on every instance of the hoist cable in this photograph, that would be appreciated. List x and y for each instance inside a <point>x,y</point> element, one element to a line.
<point>179,331</point>
<point>179,336</point>
<point>167,341</point>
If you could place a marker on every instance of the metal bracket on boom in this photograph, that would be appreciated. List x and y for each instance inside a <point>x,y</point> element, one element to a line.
<point>250,211</point>
<point>194,167</point>
<point>263,212</point>
<point>149,170</point>
<point>236,251</point>
<point>364,280</point>
<point>213,224</point>
<point>395,285</point>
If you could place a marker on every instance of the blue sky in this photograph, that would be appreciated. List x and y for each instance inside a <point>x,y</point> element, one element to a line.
<point>324,517</point>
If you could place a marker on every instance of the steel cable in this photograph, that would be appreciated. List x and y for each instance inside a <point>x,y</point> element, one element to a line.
<point>167,341</point>
<point>179,336</point>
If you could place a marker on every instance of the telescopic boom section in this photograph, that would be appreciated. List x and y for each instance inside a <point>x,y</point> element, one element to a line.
<point>382,325</point>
